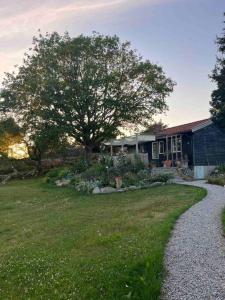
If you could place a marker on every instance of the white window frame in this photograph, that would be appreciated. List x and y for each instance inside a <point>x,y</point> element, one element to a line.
<point>163,144</point>
<point>175,138</point>
<point>157,155</point>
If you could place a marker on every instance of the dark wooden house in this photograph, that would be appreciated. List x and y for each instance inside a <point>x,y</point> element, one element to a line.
<point>199,145</point>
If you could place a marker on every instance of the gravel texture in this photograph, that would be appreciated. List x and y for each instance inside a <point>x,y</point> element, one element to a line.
<point>195,256</point>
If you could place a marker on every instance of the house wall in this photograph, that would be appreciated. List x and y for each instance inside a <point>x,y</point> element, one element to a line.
<point>209,146</point>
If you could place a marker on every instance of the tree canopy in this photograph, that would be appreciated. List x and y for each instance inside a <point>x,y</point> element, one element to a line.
<point>87,87</point>
<point>218,76</point>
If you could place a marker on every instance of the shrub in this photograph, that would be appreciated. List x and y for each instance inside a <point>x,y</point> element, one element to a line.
<point>87,186</point>
<point>221,169</point>
<point>143,175</point>
<point>94,172</point>
<point>129,179</point>
<point>58,173</point>
<point>161,178</point>
<point>137,163</point>
<point>79,166</point>
<point>217,180</point>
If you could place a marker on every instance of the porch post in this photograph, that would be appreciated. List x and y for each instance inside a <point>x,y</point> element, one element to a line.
<point>167,148</point>
<point>137,143</point>
<point>111,149</point>
<point>176,149</point>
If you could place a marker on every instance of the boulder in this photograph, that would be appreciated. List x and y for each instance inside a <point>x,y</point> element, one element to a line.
<point>156,184</point>
<point>62,182</point>
<point>108,190</point>
<point>96,190</point>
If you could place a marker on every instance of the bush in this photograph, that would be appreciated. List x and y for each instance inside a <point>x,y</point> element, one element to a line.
<point>138,164</point>
<point>143,175</point>
<point>87,186</point>
<point>221,169</point>
<point>94,172</point>
<point>217,180</point>
<point>79,166</point>
<point>161,178</point>
<point>58,173</point>
<point>129,179</point>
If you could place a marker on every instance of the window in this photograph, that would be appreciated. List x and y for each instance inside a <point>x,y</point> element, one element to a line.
<point>155,150</point>
<point>161,147</point>
<point>176,144</point>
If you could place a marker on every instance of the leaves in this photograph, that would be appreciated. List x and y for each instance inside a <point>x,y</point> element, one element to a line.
<point>87,87</point>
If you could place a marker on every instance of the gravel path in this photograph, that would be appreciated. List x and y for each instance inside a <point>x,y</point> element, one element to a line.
<point>195,256</point>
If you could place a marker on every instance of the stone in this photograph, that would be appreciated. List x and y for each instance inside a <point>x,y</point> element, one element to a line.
<point>156,184</point>
<point>133,187</point>
<point>108,190</point>
<point>62,182</point>
<point>96,190</point>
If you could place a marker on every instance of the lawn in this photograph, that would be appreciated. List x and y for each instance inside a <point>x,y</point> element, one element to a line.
<point>58,244</point>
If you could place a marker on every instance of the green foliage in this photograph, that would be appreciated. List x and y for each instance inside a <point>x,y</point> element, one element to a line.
<point>138,164</point>
<point>217,180</point>
<point>221,169</point>
<point>218,76</point>
<point>161,178</point>
<point>79,166</point>
<point>87,186</point>
<point>57,174</point>
<point>84,86</point>
<point>129,179</point>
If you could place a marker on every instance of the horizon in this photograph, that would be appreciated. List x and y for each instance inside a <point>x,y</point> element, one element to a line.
<point>152,26</point>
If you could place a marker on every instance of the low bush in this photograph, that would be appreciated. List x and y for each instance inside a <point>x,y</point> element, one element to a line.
<point>58,173</point>
<point>161,178</point>
<point>129,179</point>
<point>217,180</point>
<point>87,186</point>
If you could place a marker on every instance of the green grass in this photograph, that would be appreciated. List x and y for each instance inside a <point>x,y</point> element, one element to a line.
<point>58,244</point>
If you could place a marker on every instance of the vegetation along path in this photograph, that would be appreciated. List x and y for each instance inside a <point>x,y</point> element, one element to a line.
<point>195,258</point>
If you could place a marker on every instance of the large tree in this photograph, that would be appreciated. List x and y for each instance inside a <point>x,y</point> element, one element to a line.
<point>88,87</point>
<point>218,76</point>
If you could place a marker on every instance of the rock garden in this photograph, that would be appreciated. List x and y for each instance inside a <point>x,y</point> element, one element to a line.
<point>218,176</point>
<point>105,175</point>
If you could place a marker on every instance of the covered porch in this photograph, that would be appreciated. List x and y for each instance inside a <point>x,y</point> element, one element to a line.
<point>135,144</point>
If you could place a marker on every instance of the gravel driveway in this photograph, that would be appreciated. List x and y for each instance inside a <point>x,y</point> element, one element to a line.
<point>195,257</point>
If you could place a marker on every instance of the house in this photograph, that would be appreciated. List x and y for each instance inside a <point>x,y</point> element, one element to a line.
<point>198,145</point>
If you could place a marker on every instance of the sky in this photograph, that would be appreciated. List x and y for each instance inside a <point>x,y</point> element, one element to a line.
<point>179,35</point>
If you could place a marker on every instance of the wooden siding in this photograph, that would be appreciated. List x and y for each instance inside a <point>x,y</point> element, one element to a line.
<point>209,146</point>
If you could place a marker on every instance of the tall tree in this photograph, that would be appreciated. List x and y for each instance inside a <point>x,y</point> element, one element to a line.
<point>88,86</point>
<point>155,127</point>
<point>218,76</point>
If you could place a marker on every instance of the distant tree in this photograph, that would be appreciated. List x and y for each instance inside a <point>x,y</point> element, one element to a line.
<point>10,134</point>
<point>43,139</point>
<point>218,76</point>
<point>155,127</point>
<point>88,86</point>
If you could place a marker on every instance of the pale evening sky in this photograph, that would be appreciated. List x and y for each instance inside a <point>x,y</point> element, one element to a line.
<point>177,34</point>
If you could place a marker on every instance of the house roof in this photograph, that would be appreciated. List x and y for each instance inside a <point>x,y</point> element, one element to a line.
<point>189,127</point>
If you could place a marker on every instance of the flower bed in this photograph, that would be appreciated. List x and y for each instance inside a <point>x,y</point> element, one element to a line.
<point>104,176</point>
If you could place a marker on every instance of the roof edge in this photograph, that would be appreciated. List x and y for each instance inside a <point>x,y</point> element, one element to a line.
<point>203,125</point>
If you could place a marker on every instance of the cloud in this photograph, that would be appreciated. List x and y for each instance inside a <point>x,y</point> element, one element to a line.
<point>20,20</point>
<point>24,15</point>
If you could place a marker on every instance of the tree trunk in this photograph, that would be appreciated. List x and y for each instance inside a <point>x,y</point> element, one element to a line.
<point>88,153</point>
<point>39,166</point>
